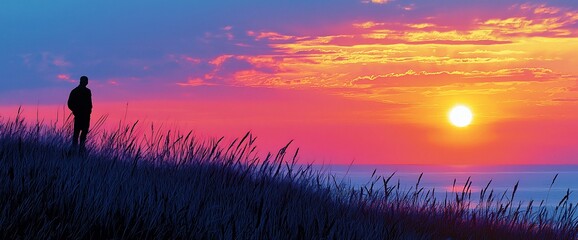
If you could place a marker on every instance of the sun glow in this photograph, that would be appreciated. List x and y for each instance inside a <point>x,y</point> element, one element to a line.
<point>460,116</point>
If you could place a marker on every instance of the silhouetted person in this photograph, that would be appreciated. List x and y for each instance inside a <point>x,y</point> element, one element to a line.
<point>80,103</point>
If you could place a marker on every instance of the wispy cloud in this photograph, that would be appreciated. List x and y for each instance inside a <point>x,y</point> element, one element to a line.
<point>377,1</point>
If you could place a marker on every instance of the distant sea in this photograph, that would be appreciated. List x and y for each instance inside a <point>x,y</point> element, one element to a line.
<point>534,180</point>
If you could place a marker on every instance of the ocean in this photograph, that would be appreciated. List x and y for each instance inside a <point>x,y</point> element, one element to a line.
<point>535,181</point>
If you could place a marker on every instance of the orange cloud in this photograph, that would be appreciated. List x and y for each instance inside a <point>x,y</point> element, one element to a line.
<point>368,24</point>
<point>540,8</point>
<point>535,20</point>
<point>522,25</point>
<point>441,78</point>
<point>220,59</point>
<point>194,82</point>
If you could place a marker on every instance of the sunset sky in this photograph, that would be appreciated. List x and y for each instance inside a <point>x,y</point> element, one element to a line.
<point>362,81</point>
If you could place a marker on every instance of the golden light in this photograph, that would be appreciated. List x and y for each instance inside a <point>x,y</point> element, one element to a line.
<point>460,116</point>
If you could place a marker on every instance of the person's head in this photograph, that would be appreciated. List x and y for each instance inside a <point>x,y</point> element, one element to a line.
<point>83,81</point>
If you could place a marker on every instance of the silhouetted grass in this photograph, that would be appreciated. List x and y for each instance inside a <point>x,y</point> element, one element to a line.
<point>170,185</point>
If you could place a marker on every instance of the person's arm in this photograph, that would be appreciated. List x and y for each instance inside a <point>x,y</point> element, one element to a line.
<point>90,101</point>
<point>72,102</point>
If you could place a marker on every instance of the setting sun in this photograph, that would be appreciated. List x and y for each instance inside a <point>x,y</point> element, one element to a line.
<point>460,116</point>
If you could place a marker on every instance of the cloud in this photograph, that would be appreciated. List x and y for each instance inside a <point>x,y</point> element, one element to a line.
<point>182,59</point>
<point>231,70</point>
<point>531,27</point>
<point>539,8</point>
<point>534,20</point>
<point>479,52</point>
<point>377,1</point>
<point>368,24</point>
<point>442,78</point>
<point>220,60</point>
<point>565,99</point>
<point>380,33</point>
<point>45,61</point>
<point>64,77</point>
<point>60,62</point>
<point>273,36</point>
<point>195,82</point>
<point>409,7</point>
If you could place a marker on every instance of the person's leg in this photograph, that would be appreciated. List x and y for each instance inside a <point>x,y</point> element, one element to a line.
<point>77,129</point>
<point>84,131</point>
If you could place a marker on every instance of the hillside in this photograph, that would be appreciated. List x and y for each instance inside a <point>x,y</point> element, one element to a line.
<point>173,186</point>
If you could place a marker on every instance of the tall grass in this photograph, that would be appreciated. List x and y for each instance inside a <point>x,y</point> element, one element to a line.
<point>154,184</point>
